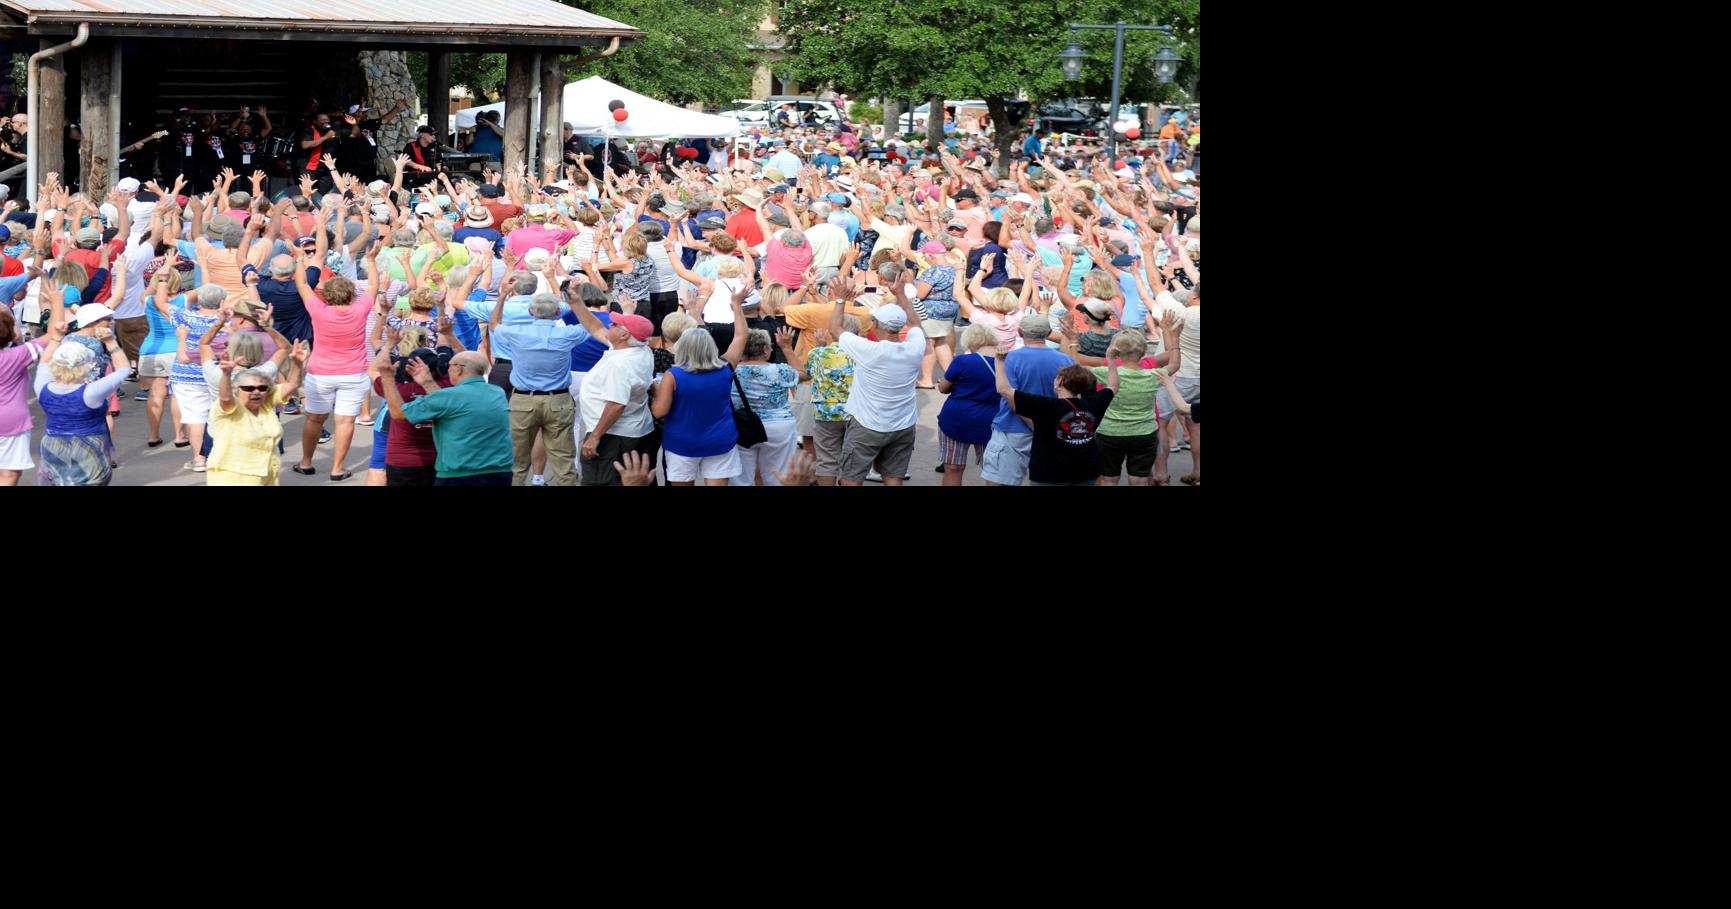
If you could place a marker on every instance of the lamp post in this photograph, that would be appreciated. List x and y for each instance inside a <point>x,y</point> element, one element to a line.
<point>1165,65</point>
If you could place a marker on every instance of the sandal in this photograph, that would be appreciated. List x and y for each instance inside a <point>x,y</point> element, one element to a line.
<point>150,444</point>
<point>179,444</point>
<point>1191,479</point>
<point>339,477</point>
<point>1161,481</point>
<point>304,471</point>
<point>196,467</point>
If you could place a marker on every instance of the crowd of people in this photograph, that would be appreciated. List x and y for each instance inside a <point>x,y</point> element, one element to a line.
<point>768,311</point>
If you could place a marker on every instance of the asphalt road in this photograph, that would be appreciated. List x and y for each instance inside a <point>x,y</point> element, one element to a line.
<point>165,465</point>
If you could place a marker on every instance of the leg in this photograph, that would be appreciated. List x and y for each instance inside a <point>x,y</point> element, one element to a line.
<point>311,426</point>
<point>773,455</point>
<point>926,362</point>
<point>1195,430</point>
<point>747,465</point>
<point>195,434</point>
<point>538,454</point>
<point>158,389</point>
<point>174,411</point>
<point>561,450</point>
<point>523,435</point>
<point>945,354</point>
<point>10,477</point>
<point>953,473</point>
<point>340,439</point>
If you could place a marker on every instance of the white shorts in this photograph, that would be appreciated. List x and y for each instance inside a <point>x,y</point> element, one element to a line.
<point>15,451</point>
<point>194,399</point>
<point>343,394</point>
<point>155,365</point>
<point>1007,456</point>
<point>681,469</point>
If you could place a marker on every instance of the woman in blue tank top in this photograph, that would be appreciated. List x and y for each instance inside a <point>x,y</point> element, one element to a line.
<point>75,445</point>
<point>695,400</point>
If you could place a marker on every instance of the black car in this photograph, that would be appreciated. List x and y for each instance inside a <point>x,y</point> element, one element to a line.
<point>1065,119</point>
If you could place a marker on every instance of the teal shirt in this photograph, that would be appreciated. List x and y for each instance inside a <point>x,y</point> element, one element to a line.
<point>471,427</point>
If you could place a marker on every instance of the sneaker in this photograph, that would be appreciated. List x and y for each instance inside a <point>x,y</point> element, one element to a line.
<point>324,437</point>
<point>1184,445</point>
<point>290,409</point>
<point>141,396</point>
<point>872,476</point>
<point>537,480</point>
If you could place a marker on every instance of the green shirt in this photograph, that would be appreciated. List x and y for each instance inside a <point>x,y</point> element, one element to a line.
<point>1132,410</point>
<point>471,427</point>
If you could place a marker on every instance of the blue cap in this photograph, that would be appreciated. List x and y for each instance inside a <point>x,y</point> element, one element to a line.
<point>1123,260</point>
<point>5,233</point>
<point>837,198</point>
<point>779,188</point>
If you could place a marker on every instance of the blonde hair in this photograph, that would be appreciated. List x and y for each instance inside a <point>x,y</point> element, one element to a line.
<point>636,246</point>
<point>774,299</point>
<point>423,299</point>
<point>1130,345</point>
<point>674,325</point>
<point>978,336</point>
<point>73,275</point>
<point>1099,285</point>
<point>414,337</point>
<point>245,348</point>
<point>69,375</point>
<point>728,267</point>
<point>588,217</point>
<point>1001,300</point>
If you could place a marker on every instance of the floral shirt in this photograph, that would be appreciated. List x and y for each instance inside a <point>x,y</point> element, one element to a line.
<point>766,386</point>
<point>831,379</point>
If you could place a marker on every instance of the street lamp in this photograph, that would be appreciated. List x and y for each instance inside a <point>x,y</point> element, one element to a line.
<point>1073,57</point>
<point>1165,63</point>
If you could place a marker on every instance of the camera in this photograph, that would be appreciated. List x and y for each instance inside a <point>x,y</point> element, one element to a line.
<point>438,362</point>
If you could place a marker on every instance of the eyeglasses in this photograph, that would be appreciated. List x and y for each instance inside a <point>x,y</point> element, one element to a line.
<point>255,389</point>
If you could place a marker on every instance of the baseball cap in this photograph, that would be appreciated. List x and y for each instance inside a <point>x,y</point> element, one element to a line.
<point>426,129</point>
<point>1023,198</point>
<point>477,245</point>
<point>932,248</point>
<point>491,190</point>
<point>639,327</point>
<point>1000,194</point>
<point>967,194</point>
<point>1123,260</point>
<point>711,223</point>
<point>957,222</point>
<point>90,313</point>
<point>836,198</point>
<point>5,233</point>
<point>127,185</point>
<point>779,188</point>
<point>891,315</point>
<point>428,209</point>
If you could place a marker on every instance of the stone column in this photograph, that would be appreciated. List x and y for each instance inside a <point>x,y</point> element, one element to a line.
<point>95,161</point>
<point>552,144</point>
<point>388,81</point>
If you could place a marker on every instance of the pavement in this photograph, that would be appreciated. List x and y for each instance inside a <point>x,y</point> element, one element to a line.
<point>165,464</point>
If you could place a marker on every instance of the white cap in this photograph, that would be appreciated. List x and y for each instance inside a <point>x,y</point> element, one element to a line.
<point>427,208</point>
<point>1023,198</point>
<point>378,187</point>
<point>891,315</point>
<point>90,313</point>
<point>1184,176</point>
<point>127,185</point>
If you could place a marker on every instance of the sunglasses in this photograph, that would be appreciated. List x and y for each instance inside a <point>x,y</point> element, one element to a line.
<point>256,389</point>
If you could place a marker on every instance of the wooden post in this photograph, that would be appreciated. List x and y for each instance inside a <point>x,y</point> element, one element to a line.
<point>520,65</point>
<point>95,157</point>
<point>51,121</point>
<point>439,94</point>
<point>552,145</point>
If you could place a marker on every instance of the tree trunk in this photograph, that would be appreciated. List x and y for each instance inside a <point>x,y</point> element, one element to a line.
<point>892,113</point>
<point>1004,134</point>
<point>935,121</point>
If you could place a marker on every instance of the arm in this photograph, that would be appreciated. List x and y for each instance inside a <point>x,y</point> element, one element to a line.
<point>662,404</point>
<point>205,354</point>
<point>448,334</point>
<point>225,390</point>
<point>1004,388</point>
<point>297,368</point>
<point>736,350</point>
<point>784,340</point>
<point>265,116</point>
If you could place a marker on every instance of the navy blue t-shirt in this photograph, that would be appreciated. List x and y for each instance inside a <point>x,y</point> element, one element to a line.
<point>584,356</point>
<point>967,415</point>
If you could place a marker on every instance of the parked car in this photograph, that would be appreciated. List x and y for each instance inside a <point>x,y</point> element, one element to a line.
<point>1062,118</point>
<point>760,112</point>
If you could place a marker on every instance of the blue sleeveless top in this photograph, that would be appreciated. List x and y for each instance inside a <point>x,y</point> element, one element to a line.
<point>68,415</point>
<point>700,425</point>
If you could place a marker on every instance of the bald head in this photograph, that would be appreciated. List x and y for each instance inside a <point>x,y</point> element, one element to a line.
<point>282,266</point>
<point>471,362</point>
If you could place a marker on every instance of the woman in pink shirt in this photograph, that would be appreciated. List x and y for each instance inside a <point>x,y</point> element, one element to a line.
<point>16,358</point>
<point>336,379</point>
<point>786,258</point>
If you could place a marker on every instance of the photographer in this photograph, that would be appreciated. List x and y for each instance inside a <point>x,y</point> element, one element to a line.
<point>409,452</point>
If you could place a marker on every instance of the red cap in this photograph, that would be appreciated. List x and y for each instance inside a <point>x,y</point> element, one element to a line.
<point>639,327</point>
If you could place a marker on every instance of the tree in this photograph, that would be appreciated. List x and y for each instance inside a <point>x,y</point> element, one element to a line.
<point>694,50</point>
<point>990,49</point>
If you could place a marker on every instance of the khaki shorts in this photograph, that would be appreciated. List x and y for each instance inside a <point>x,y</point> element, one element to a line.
<point>866,448</point>
<point>804,414</point>
<point>936,328</point>
<point>829,438</point>
<point>155,365</point>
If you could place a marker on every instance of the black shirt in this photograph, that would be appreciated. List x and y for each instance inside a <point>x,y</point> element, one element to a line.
<point>1064,447</point>
<point>431,155</point>
<point>359,151</point>
<point>180,153</point>
<point>304,156</point>
<point>248,153</point>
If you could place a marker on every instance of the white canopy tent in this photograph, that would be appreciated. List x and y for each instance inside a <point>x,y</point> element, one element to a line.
<point>585,108</point>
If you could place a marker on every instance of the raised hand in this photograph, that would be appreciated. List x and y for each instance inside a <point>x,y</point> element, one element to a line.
<point>784,338</point>
<point>400,161</point>
<point>636,469</point>
<point>301,350</point>
<point>801,470</point>
<point>103,333</point>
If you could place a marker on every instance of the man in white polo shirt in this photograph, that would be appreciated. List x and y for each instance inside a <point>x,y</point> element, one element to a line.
<point>882,400</point>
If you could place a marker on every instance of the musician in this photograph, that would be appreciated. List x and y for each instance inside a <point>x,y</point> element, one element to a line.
<point>426,158</point>
<point>359,154</point>
<point>248,143</point>
<point>314,146</point>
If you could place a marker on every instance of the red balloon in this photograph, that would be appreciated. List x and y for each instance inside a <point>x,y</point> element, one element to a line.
<point>620,115</point>
<point>1133,133</point>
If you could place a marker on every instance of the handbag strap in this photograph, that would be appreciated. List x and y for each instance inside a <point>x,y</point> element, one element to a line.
<point>743,398</point>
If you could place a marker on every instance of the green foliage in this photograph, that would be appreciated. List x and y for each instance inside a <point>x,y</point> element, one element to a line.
<point>694,50</point>
<point>862,112</point>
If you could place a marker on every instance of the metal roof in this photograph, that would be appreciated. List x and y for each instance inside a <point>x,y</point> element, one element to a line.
<point>416,16</point>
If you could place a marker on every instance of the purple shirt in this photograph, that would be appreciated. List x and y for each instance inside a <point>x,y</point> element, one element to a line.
<point>15,362</point>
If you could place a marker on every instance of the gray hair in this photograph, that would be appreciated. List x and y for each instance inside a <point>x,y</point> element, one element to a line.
<point>653,231</point>
<point>245,347</point>
<point>895,211</point>
<point>852,323</point>
<point>522,284</point>
<point>404,237</point>
<point>704,200</point>
<point>233,234</point>
<point>239,200</point>
<point>1035,328</point>
<point>457,276</point>
<point>820,209</point>
<point>793,237</point>
<point>544,306</point>
<point>240,374</point>
<point>1043,225</point>
<point>696,352</point>
<point>471,361</point>
<point>282,266</point>
<point>210,296</point>
<point>757,343</point>
<point>331,200</point>
<point>890,271</point>
<point>442,228</point>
